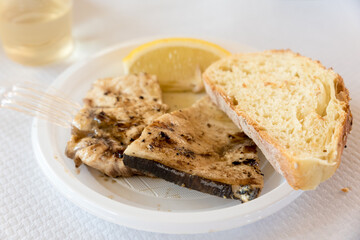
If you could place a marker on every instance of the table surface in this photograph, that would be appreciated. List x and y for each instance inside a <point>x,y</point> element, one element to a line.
<point>30,207</point>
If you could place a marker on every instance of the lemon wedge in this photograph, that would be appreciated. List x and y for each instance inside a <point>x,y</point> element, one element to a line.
<point>177,62</point>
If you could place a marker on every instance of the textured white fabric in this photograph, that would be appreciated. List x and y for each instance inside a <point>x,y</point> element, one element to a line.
<point>30,208</point>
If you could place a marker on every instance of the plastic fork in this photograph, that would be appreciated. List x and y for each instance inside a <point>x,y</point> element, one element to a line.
<point>31,98</point>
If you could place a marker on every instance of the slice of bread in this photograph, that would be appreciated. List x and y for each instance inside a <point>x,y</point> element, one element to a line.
<point>199,148</point>
<point>294,109</point>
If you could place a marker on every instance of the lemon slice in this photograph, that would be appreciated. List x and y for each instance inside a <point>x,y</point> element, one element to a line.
<point>177,62</point>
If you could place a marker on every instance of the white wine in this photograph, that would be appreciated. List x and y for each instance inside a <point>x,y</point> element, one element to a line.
<point>36,32</point>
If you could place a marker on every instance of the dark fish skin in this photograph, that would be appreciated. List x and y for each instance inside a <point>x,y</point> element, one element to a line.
<point>188,180</point>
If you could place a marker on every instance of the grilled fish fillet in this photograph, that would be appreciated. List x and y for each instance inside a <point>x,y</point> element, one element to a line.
<point>199,148</point>
<point>115,113</point>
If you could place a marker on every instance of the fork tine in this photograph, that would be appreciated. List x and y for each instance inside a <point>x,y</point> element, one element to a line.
<point>36,110</point>
<point>29,98</point>
<point>66,109</point>
<point>55,98</point>
<point>58,122</point>
<point>44,102</point>
<point>40,87</point>
<point>42,109</point>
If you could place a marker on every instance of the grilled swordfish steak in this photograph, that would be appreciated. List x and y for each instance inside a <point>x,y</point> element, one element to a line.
<point>115,112</point>
<point>199,148</point>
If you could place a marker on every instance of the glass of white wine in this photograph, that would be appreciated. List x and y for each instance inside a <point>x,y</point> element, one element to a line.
<point>36,32</point>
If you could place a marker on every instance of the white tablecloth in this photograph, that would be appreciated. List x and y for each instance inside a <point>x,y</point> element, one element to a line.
<point>30,208</point>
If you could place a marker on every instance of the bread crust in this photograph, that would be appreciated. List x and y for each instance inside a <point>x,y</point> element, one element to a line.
<point>299,175</point>
<point>342,93</point>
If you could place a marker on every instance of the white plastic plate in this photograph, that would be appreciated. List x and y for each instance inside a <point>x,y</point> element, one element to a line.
<point>139,202</point>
